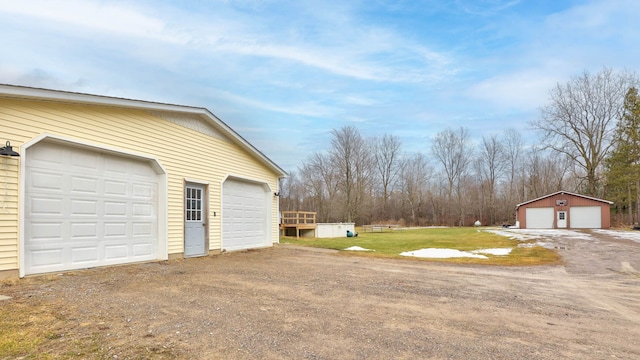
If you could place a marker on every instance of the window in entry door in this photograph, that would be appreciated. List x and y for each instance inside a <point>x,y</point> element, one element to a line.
<point>193,206</point>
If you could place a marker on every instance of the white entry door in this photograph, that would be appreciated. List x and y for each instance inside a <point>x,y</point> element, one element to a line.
<point>562,220</point>
<point>194,221</point>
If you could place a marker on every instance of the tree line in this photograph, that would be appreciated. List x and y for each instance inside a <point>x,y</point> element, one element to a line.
<point>589,144</point>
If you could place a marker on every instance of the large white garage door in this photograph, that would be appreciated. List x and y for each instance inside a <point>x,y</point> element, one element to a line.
<point>540,218</point>
<point>585,217</point>
<point>245,215</point>
<point>84,208</point>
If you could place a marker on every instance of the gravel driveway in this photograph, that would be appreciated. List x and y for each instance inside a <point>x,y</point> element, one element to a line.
<point>293,303</point>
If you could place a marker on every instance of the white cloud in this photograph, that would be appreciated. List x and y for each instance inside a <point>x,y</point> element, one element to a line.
<point>358,100</point>
<point>485,7</point>
<point>582,37</point>
<point>341,46</point>
<point>97,15</point>
<point>597,18</point>
<point>365,59</point>
<point>524,90</point>
<point>300,108</point>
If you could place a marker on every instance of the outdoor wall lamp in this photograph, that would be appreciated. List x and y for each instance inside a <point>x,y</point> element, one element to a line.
<point>276,193</point>
<point>7,150</point>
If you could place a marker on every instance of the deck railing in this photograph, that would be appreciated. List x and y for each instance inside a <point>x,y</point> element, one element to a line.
<point>293,218</point>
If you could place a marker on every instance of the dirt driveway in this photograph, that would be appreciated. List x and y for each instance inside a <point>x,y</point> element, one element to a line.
<point>292,303</point>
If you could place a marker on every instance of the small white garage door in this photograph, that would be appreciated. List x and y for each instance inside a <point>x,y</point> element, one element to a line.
<point>539,218</point>
<point>585,217</point>
<point>85,208</point>
<point>245,215</point>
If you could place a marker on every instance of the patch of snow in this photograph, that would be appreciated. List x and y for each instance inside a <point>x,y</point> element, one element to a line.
<point>537,243</point>
<point>495,251</point>
<point>530,234</point>
<point>357,248</point>
<point>441,254</point>
<point>621,234</point>
<point>514,235</point>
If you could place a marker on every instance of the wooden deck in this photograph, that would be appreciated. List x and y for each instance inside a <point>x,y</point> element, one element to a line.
<point>298,220</point>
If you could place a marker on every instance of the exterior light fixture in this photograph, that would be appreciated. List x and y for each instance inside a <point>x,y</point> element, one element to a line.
<point>276,193</point>
<point>7,150</point>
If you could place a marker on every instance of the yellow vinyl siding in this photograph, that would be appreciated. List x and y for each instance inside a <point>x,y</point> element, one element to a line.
<point>9,171</point>
<point>183,152</point>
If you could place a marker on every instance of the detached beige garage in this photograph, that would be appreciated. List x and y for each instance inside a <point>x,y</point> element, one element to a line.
<point>564,210</point>
<point>98,181</point>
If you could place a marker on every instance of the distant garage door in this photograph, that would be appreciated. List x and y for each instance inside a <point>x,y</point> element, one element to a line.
<point>539,218</point>
<point>86,208</point>
<point>245,210</point>
<point>585,217</point>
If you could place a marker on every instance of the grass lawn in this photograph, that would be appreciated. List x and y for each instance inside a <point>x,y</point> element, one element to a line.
<point>391,244</point>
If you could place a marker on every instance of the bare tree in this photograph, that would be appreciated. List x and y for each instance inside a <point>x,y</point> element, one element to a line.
<point>453,150</point>
<point>548,172</point>
<point>579,120</point>
<point>321,183</point>
<point>386,160</point>
<point>414,175</point>
<point>513,144</point>
<point>291,193</point>
<point>491,163</point>
<point>351,161</point>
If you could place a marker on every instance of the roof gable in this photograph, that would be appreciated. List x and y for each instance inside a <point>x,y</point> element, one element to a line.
<point>564,192</point>
<point>192,121</point>
<point>184,115</point>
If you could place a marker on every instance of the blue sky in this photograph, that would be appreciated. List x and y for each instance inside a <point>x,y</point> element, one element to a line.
<point>283,74</point>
